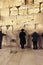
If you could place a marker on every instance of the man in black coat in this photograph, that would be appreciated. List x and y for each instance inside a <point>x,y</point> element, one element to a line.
<point>42,34</point>
<point>1,37</point>
<point>35,39</point>
<point>22,38</point>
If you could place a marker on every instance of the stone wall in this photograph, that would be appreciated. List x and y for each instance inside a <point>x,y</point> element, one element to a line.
<point>18,15</point>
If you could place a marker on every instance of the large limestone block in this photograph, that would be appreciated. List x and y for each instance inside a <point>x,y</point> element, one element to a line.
<point>36,10</point>
<point>1,4</point>
<point>37,1</point>
<point>4,29</point>
<point>23,10</point>
<point>18,2</point>
<point>5,12</point>
<point>42,7</point>
<point>14,11</point>
<point>28,1</point>
<point>7,3</point>
<point>38,18</point>
<point>7,21</point>
<point>36,7</point>
<point>39,28</point>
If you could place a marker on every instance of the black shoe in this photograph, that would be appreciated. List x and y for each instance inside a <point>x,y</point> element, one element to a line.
<point>0,48</point>
<point>22,47</point>
<point>33,47</point>
<point>36,48</point>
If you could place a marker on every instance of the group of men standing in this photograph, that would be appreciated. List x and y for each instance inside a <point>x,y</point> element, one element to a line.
<point>35,36</point>
<point>22,36</point>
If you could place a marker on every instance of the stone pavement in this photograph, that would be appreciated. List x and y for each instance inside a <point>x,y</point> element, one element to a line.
<point>21,56</point>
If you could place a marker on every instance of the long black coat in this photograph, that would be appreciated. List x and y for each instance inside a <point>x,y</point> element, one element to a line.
<point>35,36</point>
<point>1,36</point>
<point>22,37</point>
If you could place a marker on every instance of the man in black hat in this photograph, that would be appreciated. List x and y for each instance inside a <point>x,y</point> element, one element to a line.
<point>22,38</point>
<point>35,39</point>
